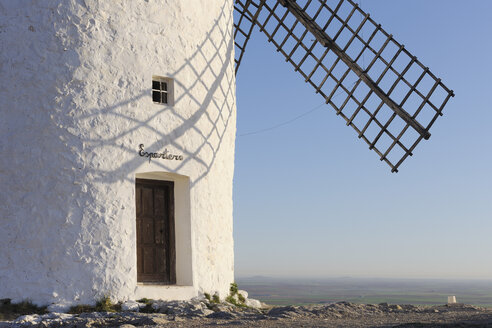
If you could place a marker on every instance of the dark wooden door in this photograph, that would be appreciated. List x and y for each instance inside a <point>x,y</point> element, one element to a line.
<point>156,256</point>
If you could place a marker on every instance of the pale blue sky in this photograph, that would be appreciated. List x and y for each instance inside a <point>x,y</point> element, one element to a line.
<point>311,199</point>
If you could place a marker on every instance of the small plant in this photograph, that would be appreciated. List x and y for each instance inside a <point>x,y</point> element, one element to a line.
<point>212,301</point>
<point>234,296</point>
<point>233,289</point>
<point>235,302</point>
<point>145,300</point>
<point>10,311</point>
<point>81,308</point>
<point>103,305</point>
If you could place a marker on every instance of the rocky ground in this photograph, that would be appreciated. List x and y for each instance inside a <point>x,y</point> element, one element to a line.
<point>203,313</point>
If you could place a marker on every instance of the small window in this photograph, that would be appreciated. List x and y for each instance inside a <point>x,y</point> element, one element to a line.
<point>162,90</point>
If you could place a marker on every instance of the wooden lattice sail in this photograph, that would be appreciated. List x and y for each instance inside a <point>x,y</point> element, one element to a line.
<point>379,88</point>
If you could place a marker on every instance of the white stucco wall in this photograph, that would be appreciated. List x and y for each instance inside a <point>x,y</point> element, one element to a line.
<point>75,103</point>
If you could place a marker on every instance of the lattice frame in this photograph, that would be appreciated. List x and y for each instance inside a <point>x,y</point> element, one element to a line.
<point>391,102</point>
<point>244,24</point>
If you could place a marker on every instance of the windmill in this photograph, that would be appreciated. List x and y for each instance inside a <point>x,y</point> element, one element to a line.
<point>118,176</point>
<point>386,94</point>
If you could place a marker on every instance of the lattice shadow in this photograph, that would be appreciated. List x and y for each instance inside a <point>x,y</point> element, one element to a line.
<point>212,95</point>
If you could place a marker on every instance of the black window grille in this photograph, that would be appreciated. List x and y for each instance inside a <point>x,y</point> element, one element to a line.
<point>160,92</point>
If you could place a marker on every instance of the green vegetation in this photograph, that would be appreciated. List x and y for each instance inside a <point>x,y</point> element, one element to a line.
<point>233,289</point>
<point>10,311</point>
<point>212,300</point>
<point>234,297</point>
<point>148,305</point>
<point>103,305</point>
<point>81,308</point>
<point>145,300</point>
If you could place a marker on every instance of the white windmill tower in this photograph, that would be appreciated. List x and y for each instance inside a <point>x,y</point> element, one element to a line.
<point>118,128</point>
<point>117,140</point>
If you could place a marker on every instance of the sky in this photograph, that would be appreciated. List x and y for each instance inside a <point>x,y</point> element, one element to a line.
<point>311,200</point>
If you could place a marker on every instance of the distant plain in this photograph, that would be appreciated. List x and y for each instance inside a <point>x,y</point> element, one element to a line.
<point>283,291</point>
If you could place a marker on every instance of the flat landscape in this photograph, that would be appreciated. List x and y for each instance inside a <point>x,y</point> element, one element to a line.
<point>328,303</point>
<point>282,291</point>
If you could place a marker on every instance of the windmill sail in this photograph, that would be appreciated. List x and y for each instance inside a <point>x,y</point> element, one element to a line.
<point>376,85</point>
<point>243,26</point>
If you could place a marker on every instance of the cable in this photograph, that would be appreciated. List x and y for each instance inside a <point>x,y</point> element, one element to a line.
<point>283,123</point>
<point>276,126</point>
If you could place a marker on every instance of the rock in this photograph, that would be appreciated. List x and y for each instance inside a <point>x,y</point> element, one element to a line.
<point>286,311</point>
<point>177,319</point>
<point>200,298</point>
<point>127,325</point>
<point>132,306</point>
<point>91,315</point>
<point>85,324</point>
<point>223,307</point>
<point>58,307</point>
<point>253,303</point>
<point>182,308</point>
<point>32,319</point>
<point>396,307</point>
<point>155,320</point>
<point>243,293</point>
<point>221,315</point>
<point>57,316</point>
<point>156,306</point>
<point>207,312</point>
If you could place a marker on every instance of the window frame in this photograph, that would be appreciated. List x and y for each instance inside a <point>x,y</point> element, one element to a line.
<point>165,87</point>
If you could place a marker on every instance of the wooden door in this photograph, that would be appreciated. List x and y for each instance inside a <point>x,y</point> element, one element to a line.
<point>156,256</point>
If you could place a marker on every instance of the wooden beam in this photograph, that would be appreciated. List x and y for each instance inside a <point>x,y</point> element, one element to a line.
<point>326,41</point>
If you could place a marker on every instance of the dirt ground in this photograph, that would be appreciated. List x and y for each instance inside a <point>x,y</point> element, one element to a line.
<point>446,317</point>
<point>342,314</point>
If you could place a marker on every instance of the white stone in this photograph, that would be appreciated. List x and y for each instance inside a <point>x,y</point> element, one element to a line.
<point>251,302</point>
<point>59,307</point>
<point>243,293</point>
<point>54,315</point>
<point>75,103</point>
<point>131,306</point>
<point>28,319</point>
<point>207,312</point>
<point>157,305</point>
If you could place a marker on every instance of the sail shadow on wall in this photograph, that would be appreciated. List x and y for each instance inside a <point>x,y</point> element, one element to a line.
<point>383,91</point>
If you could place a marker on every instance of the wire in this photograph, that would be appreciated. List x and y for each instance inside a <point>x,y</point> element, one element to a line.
<point>276,126</point>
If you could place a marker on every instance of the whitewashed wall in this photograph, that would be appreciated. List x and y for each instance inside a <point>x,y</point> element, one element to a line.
<point>75,103</point>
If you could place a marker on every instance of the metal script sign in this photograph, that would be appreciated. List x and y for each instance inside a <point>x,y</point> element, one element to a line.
<point>164,155</point>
